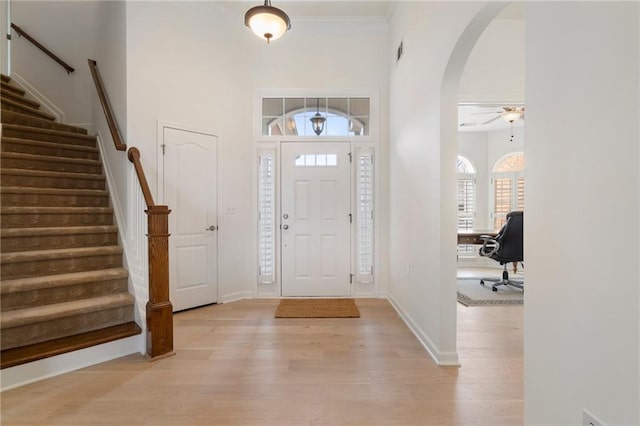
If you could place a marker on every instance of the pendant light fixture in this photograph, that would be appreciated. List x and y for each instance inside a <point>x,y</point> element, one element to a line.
<point>317,121</point>
<point>267,22</point>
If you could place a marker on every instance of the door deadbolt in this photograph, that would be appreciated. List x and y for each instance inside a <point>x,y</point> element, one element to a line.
<point>285,216</point>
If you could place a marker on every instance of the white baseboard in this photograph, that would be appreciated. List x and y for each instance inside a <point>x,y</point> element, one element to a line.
<point>441,358</point>
<point>24,374</point>
<point>45,103</point>
<point>234,297</point>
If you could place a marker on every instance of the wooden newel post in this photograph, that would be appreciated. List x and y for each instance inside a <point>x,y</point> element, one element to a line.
<point>159,308</point>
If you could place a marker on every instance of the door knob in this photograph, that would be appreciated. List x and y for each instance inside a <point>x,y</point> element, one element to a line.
<point>211,228</point>
<point>285,226</point>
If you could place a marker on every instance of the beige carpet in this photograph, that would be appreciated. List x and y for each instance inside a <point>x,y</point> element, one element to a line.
<point>317,308</point>
<point>471,293</point>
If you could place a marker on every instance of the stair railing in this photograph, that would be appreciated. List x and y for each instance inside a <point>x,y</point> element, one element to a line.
<point>159,309</point>
<point>36,43</point>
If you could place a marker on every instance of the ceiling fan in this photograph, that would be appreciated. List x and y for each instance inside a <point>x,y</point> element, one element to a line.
<point>508,114</point>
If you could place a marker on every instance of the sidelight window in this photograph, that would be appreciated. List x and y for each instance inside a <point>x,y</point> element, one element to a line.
<point>266,216</point>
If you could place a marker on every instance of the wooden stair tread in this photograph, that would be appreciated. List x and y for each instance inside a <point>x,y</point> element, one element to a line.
<point>65,253</point>
<point>56,191</point>
<point>50,158</point>
<point>6,85</point>
<point>60,230</point>
<point>51,173</point>
<point>53,132</point>
<point>54,210</point>
<point>5,78</point>
<point>25,354</point>
<point>4,93</point>
<point>24,109</point>
<point>10,117</point>
<point>19,317</point>
<point>60,280</point>
<point>71,147</point>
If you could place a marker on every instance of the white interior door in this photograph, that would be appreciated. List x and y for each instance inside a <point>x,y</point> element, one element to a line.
<point>190,191</point>
<point>315,219</point>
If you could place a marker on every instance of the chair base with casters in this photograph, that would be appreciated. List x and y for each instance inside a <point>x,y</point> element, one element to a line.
<point>504,281</point>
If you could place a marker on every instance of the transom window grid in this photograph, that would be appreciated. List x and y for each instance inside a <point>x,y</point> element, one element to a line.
<point>345,116</point>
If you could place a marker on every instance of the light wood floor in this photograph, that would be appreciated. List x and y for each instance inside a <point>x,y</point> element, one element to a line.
<point>237,365</point>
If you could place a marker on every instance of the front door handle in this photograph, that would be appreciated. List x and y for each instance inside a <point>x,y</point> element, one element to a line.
<point>285,226</point>
<point>211,228</point>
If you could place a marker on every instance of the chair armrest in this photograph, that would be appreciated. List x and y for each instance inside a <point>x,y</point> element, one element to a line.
<point>489,246</point>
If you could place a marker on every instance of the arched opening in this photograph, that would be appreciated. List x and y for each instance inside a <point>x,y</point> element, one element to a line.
<point>449,152</point>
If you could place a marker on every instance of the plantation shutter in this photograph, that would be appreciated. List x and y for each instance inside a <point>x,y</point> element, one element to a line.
<point>266,217</point>
<point>466,208</point>
<point>466,200</point>
<point>508,195</point>
<point>365,224</point>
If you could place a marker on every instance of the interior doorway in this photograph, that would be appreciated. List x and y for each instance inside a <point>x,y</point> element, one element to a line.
<point>188,181</point>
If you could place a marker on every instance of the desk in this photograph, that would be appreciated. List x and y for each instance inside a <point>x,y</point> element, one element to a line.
<point>473,237</point>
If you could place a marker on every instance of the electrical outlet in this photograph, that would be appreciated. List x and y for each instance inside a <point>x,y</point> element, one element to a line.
<point>589,419</point>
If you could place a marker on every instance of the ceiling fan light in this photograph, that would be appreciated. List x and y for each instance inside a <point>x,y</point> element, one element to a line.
<point>511,115</point>
<point>267,22</point>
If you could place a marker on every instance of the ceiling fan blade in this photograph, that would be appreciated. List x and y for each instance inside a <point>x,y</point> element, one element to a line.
<point>487,112</point>
<point>468,124</point>
<point>490,121</point>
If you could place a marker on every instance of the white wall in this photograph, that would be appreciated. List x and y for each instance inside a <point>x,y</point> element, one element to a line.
<point>185,66</point>
<point>422,239</point>
<point>582,315</point>
<point>494,72</point>
<point>208,77</point>
<point>67,29</point>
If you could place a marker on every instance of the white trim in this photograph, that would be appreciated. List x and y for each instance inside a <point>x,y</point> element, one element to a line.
<point>239,295</point>
<point>24,374</point>
<point>45,104</point>
<point>441,358</point>
<point>117,208</point>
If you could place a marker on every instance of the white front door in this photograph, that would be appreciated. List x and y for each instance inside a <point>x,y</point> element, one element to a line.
<point>315,219</point>
<point>190,191</point>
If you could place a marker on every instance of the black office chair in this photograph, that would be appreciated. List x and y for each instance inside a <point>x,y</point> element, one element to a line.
<point>505,248</point>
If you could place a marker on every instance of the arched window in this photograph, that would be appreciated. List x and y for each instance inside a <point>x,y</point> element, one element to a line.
<point>348,116</point>
<point>508,186</point>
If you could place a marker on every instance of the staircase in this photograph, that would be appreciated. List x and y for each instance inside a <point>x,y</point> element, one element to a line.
<point>63,286</point>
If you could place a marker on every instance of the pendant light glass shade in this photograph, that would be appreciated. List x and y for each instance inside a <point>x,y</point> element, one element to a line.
<point>267,22</point>
<point>512,115</point>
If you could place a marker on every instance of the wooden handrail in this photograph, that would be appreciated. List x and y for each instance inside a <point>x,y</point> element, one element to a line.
<point>134,157</point>
<point>159,308</point>
<point>23,33</point>
<point>106,107</point>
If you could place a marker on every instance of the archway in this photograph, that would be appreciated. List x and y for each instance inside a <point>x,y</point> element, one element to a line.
<point>448,155</point>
